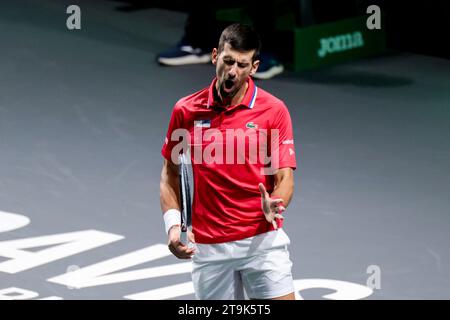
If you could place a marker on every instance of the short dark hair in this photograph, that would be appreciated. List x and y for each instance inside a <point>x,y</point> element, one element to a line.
<point>241,37</point>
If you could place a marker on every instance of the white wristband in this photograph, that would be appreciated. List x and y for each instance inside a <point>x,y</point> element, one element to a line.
<point>172,217</point>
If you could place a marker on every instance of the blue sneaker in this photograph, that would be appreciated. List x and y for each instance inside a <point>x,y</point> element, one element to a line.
<point>184,54</point>
<point>269,67</point>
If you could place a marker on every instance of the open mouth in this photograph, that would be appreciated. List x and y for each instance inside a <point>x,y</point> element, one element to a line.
<point>229,84</point>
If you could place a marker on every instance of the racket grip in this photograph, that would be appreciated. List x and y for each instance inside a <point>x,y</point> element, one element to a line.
<point>184,238</point>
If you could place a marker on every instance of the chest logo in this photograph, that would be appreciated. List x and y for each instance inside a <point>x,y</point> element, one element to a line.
<point>251,125</point>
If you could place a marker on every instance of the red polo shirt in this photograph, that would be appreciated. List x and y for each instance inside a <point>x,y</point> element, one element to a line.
<point>232,150</point>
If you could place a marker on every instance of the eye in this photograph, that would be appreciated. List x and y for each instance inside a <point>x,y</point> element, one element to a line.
<point>229,62</point>
<point>242,65</point>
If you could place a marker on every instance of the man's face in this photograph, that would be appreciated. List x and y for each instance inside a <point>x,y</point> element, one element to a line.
<point>232,69</point>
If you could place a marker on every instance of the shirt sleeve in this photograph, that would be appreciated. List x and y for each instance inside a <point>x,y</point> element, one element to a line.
<point>170,141</point>
<point>283,148</point>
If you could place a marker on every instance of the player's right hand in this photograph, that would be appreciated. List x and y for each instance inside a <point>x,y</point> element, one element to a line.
<point>179,249</point>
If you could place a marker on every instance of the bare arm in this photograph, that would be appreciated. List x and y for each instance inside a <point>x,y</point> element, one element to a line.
<point>169,198</point>
<point>284,185</point>
<point>169,187</point>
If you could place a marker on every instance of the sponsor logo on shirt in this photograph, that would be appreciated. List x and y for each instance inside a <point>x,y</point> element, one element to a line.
<point>288,142</point>
<point>251,125</point>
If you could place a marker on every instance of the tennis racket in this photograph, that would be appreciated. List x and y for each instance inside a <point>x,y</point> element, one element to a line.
<point>186,189</point>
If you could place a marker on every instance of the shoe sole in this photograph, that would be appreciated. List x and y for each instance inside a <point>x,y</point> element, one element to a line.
<point>185,60</point>
<point>269,73</point>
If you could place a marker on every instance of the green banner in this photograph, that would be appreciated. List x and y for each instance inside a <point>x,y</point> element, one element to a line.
<point>336,42</point>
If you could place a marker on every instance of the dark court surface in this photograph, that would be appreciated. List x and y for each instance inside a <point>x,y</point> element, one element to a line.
<point>83,115</point>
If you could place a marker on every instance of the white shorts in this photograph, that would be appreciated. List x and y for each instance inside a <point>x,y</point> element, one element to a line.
<point>266,274</point>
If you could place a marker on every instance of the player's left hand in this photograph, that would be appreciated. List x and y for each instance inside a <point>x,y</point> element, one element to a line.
<point>272,208</point>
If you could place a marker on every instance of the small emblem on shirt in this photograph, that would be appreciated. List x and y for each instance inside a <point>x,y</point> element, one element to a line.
<point>291,152</point>
<point>202,123</point>
<point>251,125</point>
<point>288,142</point>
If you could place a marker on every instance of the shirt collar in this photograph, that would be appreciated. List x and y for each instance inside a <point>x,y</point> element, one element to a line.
<point>249,97</point>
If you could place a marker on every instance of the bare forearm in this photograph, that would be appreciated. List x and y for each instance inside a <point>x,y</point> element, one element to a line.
<point>169,190</point>
<point>284,188</point>
<point>169,198</point>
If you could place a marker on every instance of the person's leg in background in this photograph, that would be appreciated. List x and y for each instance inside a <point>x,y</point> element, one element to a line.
<point>263,16</point>
<point>200,36</point>
<point>202,32</point>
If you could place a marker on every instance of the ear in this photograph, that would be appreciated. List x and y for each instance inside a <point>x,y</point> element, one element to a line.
<point>255,66</point>
<point>214,56</point>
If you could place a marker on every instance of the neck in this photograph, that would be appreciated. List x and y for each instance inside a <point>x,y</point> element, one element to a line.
<point>234,100</point>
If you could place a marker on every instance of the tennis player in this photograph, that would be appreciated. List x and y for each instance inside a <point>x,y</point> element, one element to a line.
<point>241,249</point>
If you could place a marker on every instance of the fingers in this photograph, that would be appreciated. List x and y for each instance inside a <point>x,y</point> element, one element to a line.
<point>263,191</point>
<point>276,209</point>
<point>274,221</point>
<point>274,203</point>
<point>272,208</point>
<point>281,209</point>
<point>278,216</point>
<point>181,251</point>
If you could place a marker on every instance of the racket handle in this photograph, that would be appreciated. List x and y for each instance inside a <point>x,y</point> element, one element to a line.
<point>184,238</point>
